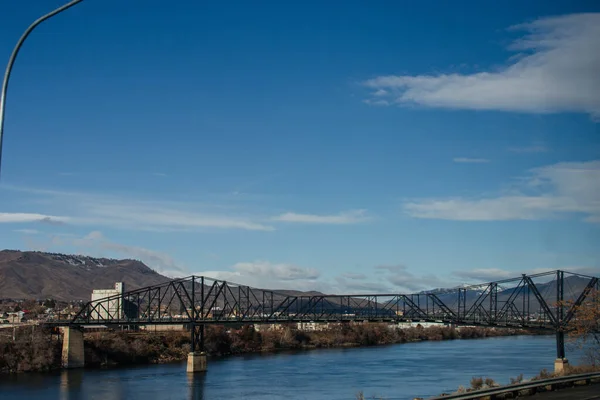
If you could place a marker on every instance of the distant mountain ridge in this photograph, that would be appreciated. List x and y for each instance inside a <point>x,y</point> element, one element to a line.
<point>40,275</point>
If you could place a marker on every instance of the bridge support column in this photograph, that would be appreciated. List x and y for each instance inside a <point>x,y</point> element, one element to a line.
<point>197,358</point>
<point>196,362</point>
<point>72,348</point>
<point>560,364</point>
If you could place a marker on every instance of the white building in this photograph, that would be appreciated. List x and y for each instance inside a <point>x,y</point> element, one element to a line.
<point>108,309</point>
<point>312,326</point>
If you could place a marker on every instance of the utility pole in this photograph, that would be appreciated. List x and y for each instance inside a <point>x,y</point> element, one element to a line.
<point>11,61</point>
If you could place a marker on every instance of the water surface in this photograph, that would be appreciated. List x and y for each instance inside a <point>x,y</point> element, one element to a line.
<point>393,372</point>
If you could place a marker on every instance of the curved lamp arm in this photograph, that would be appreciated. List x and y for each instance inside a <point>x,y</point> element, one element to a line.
<point>11,61</point>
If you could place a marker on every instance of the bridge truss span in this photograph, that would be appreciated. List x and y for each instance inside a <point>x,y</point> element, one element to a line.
<point>542,301</point>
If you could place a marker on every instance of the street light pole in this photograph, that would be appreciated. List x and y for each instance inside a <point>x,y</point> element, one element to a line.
<point>11,61</point>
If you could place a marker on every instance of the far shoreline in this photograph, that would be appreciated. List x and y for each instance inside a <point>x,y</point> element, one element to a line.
<point>119,349</point>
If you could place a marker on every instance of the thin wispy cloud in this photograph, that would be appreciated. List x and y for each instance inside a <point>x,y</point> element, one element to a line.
<point>157,217</point>
<point>27,231</point>
<point>344,218</point>
<point>405,281</point>
<point>129,213</point>
<point>357,286</point>
<point>268,275</point>
<point>16,218</point>
<point>555,191</point>
<point>350,275</point>
<point>529,149</point>
<point>467,160</point>
<point>96,210</point>
<point>556,70</point>
<point>377,102</point>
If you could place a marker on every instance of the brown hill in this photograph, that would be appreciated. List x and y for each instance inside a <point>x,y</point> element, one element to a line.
<point>28,274</point>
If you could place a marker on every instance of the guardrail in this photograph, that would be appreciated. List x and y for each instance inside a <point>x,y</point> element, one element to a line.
<point>515,388</point>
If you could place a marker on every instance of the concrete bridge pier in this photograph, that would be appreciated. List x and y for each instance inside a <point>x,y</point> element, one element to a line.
<point>73,355</point>
<point>560,364</point>
<point>196,361</point>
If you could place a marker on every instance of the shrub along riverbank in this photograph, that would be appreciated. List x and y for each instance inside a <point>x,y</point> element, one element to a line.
<point>35,350</point>
<point>480,383</point>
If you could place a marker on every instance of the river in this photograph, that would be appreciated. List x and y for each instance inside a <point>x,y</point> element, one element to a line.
<point>392,372</point>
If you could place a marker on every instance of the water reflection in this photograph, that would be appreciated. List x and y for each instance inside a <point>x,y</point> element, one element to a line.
<point>73,386</point>
<point>196,384</point>
<point>70,384</point>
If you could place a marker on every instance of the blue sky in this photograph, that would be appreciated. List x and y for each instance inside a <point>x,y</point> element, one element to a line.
<point>355,146</point>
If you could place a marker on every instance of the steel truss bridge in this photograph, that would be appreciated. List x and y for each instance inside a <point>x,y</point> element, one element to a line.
<point>546,301</point>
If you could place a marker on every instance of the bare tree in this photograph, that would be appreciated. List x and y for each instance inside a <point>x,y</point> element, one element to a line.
<point>584,328</point>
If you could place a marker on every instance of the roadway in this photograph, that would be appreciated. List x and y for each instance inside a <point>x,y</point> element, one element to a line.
<point>588,392</point>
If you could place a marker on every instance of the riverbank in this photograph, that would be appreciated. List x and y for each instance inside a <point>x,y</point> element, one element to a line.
<point>35,350</point>
<point>481,383</point>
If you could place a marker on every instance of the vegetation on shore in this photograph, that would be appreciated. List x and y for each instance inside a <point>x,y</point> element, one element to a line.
<point>584,329</point>
<point>36,350</point>
<point>480,383</point>
<point>28,349</point>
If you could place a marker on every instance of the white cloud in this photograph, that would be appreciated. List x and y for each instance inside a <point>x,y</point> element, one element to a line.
<point>556,70</point>
<point>350,275</point>
<point>349,217</point>
<point>470,160</point>
<point>159,261</point>
<point>286,272</point>
<point>94,235</point>
<point>375,102</point>
<point>27,231</point>
<point>549,192</point>
<point>267,275</point>
<point>361,286</point>
<point>392,268</point>
<point>122,212</point>
<point>97,210</point>
<point>15,218</point>
<point>162,217</point>
<point>406,282</point>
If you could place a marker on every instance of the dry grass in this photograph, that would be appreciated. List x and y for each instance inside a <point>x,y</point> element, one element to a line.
<point>569,370</point>
<point>479,383</point>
